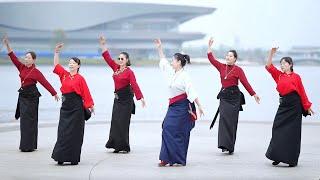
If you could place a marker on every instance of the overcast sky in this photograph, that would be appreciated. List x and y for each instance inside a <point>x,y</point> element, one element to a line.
<point>252,23</point>
<point>261,23</point>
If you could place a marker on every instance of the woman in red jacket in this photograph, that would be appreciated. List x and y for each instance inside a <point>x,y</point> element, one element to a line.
<point>28,101</point>
<point>76,98</point>
<point>286,131</point>
<point>123,104</point>
<point>231,98</point>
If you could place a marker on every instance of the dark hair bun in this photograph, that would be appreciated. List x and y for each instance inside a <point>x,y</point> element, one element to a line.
<point>187,58</point>
<point>183,58</point>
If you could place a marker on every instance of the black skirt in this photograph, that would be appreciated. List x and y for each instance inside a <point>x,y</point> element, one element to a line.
<point>70,129</point>
<point>123,107</point>
<point>27,111</point>
<point>231,100</point>
<point>286,131</point>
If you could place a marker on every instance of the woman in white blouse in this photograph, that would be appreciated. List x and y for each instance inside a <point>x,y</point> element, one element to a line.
<point>181,114</point>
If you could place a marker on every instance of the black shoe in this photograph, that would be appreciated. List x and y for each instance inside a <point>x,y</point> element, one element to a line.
<point>224,150</point>
<point>60,163</point>
<point>24,150</point>
<point>275,163</point>
<point>116,151</point>
<point>292,165</point>
<point>74,163</point>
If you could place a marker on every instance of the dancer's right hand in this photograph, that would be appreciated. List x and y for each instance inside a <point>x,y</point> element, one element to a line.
<point>210,42</point>
<point>274,50</point>
<point>58,48</point>
<point>5,40</point>
<point>157,42</point>
<point>102,40</point>
<point>102,43</point>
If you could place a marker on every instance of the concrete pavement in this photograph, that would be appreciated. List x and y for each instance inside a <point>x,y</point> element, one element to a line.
<point>205,161</point>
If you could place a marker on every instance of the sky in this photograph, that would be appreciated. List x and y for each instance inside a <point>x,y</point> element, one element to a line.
<point>249,24</point>
<point>260,23</point>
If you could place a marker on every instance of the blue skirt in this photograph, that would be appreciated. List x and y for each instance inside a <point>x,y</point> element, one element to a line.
<point>176,129</point>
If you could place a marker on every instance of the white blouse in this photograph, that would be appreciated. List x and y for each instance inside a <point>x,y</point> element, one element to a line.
<point>178,82</point>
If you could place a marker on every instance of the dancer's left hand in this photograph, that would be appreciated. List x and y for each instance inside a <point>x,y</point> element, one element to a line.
<point>56,97</point>
<point>143,102</point>
<point>201,112</point>
<point>257,98</point>
<point>310,111</point>
<point>92,109</point>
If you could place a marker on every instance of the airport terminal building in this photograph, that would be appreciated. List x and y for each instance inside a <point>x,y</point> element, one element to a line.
<point>127,26</point>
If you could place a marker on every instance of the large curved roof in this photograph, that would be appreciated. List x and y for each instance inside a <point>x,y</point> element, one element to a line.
<point>75,15</point>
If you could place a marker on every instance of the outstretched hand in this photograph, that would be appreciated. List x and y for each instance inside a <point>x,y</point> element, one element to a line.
<point>102,40</point>
<point>310,111</point>
<point>143,103</point>
<point>210,42</point>
<point>5,40</point>
<point>102,43</point>
<point>56,97</point>
<point>91,109</point>
<point>201,112</point>
<point>58,47</point>
<point>274,50</point>
<point>257,98</point>
<point>157,42</point>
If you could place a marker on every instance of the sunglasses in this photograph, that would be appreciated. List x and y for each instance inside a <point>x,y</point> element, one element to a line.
<point>120,58</point>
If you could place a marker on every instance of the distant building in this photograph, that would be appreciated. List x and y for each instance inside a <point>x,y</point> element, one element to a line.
<point>302,55</point>
<point>305,53</point>
<point>39,25</point>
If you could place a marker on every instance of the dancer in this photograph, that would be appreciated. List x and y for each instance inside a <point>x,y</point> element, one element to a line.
<point>181,114</point>
<point>123,103</point>
<point>75,98</point>
<point>231,98</point>
<point>28,101</point>
<point>285,143</point>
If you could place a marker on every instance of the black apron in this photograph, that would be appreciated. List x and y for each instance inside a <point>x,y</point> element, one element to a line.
<point>231,101</point>
<point>70,129</point>
<point>286,131</point>
<point>123,107</point>
<point>27,111</point>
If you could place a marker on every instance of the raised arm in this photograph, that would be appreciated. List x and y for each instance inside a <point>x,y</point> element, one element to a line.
<point>211,57</point>
<point>272,52</point>
<point>159,47</point>
<point>6,43</point>
<point>56,53</point>
<point>275,73</point>
<point>11,54</point>
<point>163,64</point>
<point>58,69</point>
<point>102,42</point>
